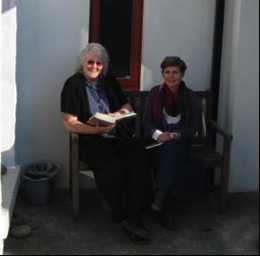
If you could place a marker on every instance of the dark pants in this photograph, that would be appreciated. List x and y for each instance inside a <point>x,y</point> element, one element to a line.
<point>177,171</point>
<point>122,174</point>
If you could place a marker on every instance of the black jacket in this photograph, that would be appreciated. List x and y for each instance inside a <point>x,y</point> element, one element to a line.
<point>74,99</point>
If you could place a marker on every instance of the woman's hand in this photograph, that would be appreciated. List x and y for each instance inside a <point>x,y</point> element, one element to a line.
<point>166,136</point>
<point>104,129</point>
<point>124,110</point>
<point>116,114</point>
<point>72,124</point>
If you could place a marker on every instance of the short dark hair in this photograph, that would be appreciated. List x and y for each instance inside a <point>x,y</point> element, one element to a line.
<point>173,61</point>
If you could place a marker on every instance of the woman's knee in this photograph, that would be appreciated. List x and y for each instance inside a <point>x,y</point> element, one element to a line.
<point>172,145</point>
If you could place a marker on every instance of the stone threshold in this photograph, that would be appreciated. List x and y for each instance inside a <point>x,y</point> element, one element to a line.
<point>10,186</point>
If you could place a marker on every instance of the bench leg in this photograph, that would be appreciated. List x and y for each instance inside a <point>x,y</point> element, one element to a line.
<point>223,191</point>
<point>222,201</point>
<point>75,194</point>
<point>74,165</point>
<point>224,179</point>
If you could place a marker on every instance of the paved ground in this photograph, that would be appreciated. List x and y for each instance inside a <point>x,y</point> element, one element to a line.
<point>202,232</point>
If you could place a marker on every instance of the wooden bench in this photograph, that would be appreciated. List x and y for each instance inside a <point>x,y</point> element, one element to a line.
<point>201,147</point>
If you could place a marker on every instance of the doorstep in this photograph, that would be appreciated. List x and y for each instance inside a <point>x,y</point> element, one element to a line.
<point>10,185</point>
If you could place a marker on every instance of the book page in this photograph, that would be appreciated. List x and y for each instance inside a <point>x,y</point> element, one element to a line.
<point>101,119</point>
<point>127,115</point>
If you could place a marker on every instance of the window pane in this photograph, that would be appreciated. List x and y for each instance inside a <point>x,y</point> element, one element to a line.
<point>115,33</point>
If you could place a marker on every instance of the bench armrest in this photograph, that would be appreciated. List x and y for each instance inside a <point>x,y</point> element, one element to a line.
<point>226,134</point>
<point>225,155</point>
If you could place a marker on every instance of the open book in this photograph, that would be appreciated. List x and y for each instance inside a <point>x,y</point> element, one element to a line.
<point>106,120</point>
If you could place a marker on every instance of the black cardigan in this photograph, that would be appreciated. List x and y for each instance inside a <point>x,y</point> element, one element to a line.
<point>74,99</point>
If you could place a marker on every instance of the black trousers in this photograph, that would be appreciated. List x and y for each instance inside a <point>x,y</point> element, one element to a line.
<point>122,173</point>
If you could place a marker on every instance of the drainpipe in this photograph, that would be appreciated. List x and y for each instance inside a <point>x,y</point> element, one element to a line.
<point>216,60</point>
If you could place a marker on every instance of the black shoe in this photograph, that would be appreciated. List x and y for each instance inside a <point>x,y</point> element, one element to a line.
<point>159,200</point>
<point>136,239</point>
<point>136,231</point>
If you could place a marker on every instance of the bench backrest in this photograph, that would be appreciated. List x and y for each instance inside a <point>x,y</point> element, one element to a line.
<point>137,99</point>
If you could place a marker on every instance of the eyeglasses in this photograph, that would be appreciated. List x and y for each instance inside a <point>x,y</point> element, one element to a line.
<point>92,62</point>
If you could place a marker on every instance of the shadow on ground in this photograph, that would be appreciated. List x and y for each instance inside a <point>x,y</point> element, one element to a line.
<point>201,232</point>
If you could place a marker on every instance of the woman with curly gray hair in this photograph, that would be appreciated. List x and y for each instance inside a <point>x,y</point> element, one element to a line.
<point>96,49</point>
<point>119,162</point>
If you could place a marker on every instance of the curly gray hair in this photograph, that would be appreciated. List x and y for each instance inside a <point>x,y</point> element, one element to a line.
<point>96,49</point>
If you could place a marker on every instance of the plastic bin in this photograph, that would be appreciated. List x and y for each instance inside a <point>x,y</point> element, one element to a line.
<point>39,183</point>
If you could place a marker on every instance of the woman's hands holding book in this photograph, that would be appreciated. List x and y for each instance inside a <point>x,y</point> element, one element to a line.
<point>166,136</point>
<point>72,124</point>
<point>127,108</point>
<point>116,114</point>
<point>104,129</point>
<point>119,113</point>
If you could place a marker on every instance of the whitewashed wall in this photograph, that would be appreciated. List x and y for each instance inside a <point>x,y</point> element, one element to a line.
<point>7,97</point>
<point>52,32</point>
<point>8,81</point>
<point>1,242</point>
<point>239,94</point>
<point>50,35</point>
<point>178,27</point>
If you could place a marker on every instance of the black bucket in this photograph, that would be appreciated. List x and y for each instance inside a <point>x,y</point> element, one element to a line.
<point>39,183</point>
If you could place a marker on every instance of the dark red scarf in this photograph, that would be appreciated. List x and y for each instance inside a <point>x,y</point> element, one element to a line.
<point>173,103</point>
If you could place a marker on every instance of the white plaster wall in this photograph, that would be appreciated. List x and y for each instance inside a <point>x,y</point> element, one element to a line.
<point>7,95</point>
<point>51,33</point>
<point>1,243</point>
<point>182,28</point>
<point>8,82</point>
<point>239,94</point>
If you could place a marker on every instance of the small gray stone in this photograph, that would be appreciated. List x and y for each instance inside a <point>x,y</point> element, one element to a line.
<point>20,231</point>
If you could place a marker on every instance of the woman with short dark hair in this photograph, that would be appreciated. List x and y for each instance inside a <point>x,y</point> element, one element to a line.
<point>172,118</point>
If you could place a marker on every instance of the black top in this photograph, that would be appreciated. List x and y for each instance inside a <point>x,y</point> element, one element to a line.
<point>187,129</point>
<point>74,100</point>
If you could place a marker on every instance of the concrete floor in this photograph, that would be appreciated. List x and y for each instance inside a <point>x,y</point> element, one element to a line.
<point>202,232</point>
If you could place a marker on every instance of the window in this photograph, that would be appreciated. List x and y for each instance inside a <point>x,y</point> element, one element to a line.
<point>117,24</point>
